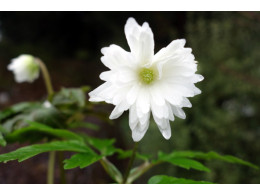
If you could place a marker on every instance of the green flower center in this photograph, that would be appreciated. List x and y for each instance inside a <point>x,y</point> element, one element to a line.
<point>147,75</point>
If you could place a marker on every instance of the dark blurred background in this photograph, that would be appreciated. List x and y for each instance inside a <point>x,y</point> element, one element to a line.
<point>224,118</point>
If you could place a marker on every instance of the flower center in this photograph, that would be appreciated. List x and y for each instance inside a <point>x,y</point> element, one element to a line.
<point>147,75</point>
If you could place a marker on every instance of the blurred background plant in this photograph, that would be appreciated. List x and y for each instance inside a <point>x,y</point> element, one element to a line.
<point>224,118</point>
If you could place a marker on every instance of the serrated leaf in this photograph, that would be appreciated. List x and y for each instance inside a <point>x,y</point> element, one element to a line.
<point>26,152</point>
<point>81,160</point>
<point>209,156</point>
<point>163,179</point>
<point>183,162</point>
<point>105,146</point>
<point>69,96</point>
<point>49,116</point>
<point>17,108</point>
<point>39,131</point>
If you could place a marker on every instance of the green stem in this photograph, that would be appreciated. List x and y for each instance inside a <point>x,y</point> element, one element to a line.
<point>51,164</point>
<point>131,161</point>
<point>46,76</point>
<point>139,171</point>
<point>48,84</point>
<point>62,171</point>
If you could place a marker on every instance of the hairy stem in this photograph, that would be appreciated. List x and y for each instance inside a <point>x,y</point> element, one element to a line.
<point>131,161</point>
<point>48,84</point>
<point>46,76</point>
<point>62,171</point>
<point>51,165</point>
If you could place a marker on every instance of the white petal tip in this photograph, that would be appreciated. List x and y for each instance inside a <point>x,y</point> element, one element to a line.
<point>137,136</point>
<point>136,139</point>
<point>201,78</point>
<point>131,19</point>
<point>167,137</point>
<point>167,134</point>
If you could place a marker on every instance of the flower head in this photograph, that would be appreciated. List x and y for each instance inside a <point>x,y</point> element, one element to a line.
<point>25,68</point>
<point>146,84</point>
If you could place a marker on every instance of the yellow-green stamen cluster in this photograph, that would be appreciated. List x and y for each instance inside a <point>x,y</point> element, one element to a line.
<point>147,75</point>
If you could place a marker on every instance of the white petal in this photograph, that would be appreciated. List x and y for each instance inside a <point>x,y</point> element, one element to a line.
<point>162,122</point>
<point>197,78</point>
<point>94,95</point>
<point>164,126</point>
<point>166,132</point>
<point>119,109</point>
<point>145,119</point>
<point>156,94</point>
<point>132,94</point>
<point>143,101</point>
<point>186,103</point>
<point>133,120</point>
<point>140,40</point>
<point>157,110</point>
<point>178,112</point>
<point>139,131</point>
<point>115,57</point>
<point>168,51</point>
<point>171,116</point>
<point>115,113</point>
<point>138,125</point>
<point>171,94</point>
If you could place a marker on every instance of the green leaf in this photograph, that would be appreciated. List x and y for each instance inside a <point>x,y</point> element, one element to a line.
<point>163,179</point>
<point>16,109</point>
<point>209,156</point>
<point>183,162</point>
<point>69,96</point>
<point>81,160</point>
<point>105,146</point>
<point>39,131</point>
<point>49,116</point>
<point>26,152</point>
<point>2,140</point>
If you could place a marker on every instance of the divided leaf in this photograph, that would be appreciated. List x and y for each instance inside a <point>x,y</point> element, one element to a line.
<point>35,112</point>
<point>16,109</point>
<point>69,97</point>
<point>26,152</point>
<point>39,131</point>
<point>104,146</point>
<point>209,156</point>
<point>163,179</point>
<point>81,160</point>
<point>183,162</point>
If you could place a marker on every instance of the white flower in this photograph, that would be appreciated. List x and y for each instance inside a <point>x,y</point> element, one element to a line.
<point>25,68</point>
<point>146,83</point>
<point>47,104</point>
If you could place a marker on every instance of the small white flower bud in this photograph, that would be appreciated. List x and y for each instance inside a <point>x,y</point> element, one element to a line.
<point>25,68</point>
